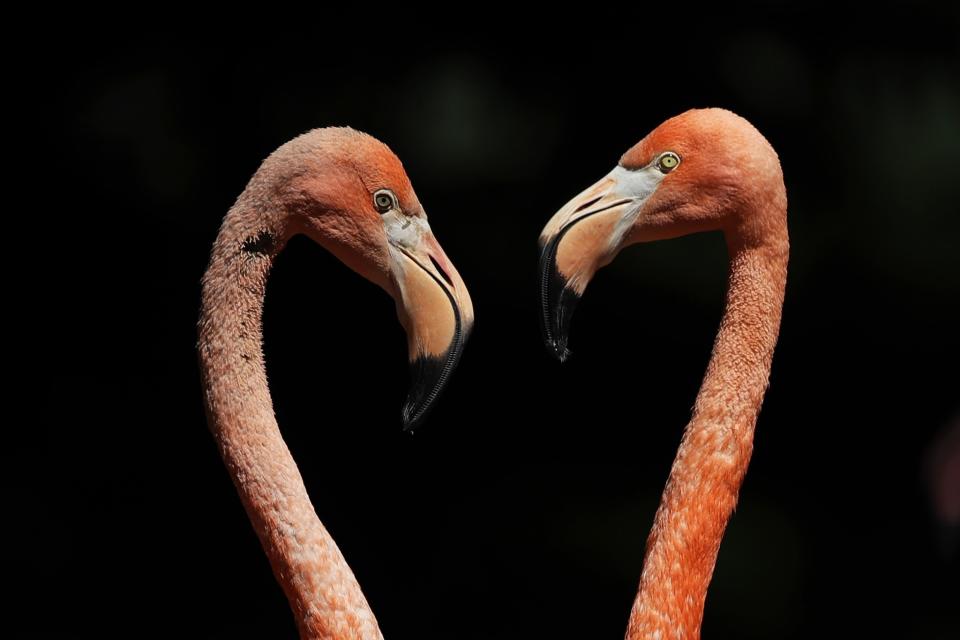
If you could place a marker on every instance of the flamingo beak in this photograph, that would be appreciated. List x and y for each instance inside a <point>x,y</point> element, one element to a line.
<point>435,309</point>
<point>583,236</point>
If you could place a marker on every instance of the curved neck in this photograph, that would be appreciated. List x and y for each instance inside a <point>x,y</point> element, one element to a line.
<point>701,492</point>
<point>320,586</point>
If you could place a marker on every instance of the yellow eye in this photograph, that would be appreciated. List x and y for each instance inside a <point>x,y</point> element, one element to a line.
<point>668,162</point>
<point>384,200</point>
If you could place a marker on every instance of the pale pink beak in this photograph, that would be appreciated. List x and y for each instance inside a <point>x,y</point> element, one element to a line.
<point>435,308</point>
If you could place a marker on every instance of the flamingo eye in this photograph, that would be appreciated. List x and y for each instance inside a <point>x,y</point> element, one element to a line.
<point>668,162</point>
<point>384,200</point>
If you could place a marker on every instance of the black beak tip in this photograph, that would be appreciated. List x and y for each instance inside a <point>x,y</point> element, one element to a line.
<point>558,302</point>
<point>558,347</point>
<point>409,422</point>
<point>556,320</point>
<point>428,377</point>
<point>420,398</point>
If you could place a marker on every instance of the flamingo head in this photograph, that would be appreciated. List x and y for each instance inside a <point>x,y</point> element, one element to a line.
<point>706,169</point>
<point>349,193</point>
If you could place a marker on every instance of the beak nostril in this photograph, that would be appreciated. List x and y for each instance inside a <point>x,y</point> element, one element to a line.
<point>587,204</point>
<point>436,265</point>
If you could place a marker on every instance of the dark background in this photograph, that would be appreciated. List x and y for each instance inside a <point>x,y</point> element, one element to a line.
<point>521,509</point>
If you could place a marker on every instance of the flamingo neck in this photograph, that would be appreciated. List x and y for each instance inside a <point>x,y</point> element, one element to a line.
<point>712,460</point>
<point>322,590</point>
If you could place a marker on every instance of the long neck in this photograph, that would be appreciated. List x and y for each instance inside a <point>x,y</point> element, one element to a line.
<point>321,588</point>
<point>715,451</point>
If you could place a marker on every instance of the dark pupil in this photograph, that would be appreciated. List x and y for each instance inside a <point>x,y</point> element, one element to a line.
<point>383,201</point>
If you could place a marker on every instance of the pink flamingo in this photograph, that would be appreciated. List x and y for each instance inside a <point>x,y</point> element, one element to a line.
<point>704,170</point>
<point>349,193</point>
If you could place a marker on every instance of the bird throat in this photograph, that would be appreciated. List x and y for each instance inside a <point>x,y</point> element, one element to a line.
<point>305,560</point>
<point>715,451</point>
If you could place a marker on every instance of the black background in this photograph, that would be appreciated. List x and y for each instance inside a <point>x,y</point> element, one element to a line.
<point>521,509</point>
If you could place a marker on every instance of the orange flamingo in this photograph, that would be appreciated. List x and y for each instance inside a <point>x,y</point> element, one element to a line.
<point>349,193</point>
<point>703,170</point>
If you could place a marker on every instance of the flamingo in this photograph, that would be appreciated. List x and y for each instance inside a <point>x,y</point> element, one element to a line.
<point>348,192</point>
<point>704,170</point>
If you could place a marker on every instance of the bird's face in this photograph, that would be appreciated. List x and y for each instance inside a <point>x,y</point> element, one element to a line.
<point>360,205</point>
<point>700,171</point>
